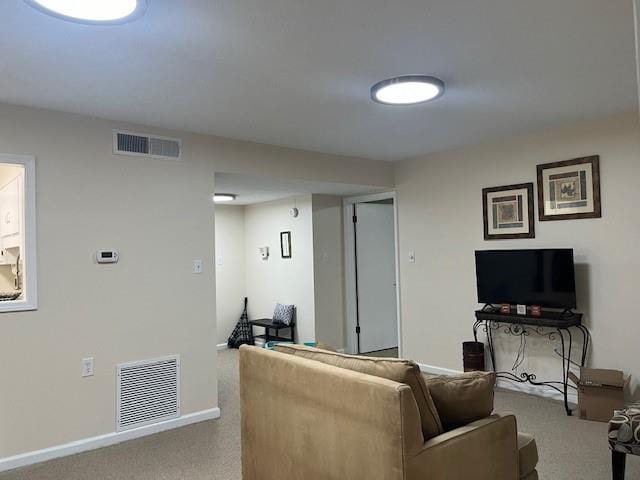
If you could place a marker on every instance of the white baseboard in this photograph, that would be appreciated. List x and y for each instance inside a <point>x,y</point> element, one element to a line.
<point>86,444</point>
<point>438,370</point>
<point>537,390</point>
<point>222,346</point>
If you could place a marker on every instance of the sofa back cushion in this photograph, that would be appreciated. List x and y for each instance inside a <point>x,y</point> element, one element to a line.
<point>462,399</point>
<point>397,370</point>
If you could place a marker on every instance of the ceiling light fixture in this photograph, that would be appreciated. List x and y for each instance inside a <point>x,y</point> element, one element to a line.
<point>224,197</point>
<point>95,12</point>
<point>407,90</point>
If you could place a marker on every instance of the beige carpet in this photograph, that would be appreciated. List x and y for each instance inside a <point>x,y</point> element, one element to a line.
<point>387,353</point>
<point>570,449</point>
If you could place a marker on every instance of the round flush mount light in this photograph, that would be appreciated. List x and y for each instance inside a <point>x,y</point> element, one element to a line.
<point>95,12</point>
<point>224,197</point>
<point>407,90</point>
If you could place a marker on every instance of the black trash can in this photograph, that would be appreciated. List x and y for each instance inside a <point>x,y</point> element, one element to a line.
<point>473,356</point>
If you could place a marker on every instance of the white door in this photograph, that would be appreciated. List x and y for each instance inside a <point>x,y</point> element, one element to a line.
<point>376,276</point>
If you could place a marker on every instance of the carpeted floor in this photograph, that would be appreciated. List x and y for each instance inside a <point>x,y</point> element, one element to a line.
<point>387,353</point>
<point>570,449</point>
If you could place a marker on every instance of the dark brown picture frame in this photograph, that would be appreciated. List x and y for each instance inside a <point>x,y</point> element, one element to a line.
<point>285,244</point>
<point>594,160</point>
<point>530,212</point>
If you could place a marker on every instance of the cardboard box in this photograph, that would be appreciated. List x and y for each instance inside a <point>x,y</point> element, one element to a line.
<point>600,392</point>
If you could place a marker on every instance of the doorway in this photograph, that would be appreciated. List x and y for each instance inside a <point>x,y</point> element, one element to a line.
<point>371,268</point>
<point>252,261</point>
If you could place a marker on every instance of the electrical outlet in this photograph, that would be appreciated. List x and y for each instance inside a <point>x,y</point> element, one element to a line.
<point>197,266</point>
<point>219,260</point>
<point>87,367</point>
<point>412,257</point>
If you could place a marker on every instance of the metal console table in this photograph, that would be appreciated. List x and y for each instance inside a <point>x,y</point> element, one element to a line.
<point>553,325</point>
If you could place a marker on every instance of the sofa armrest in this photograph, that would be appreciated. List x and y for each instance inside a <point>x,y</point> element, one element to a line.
<point>486,449</point>
<point>303,419</point>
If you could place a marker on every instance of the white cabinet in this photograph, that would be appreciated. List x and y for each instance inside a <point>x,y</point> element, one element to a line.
<point>11,216</point>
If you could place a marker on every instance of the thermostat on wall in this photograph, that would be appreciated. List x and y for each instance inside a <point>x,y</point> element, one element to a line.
<point>107,256</point>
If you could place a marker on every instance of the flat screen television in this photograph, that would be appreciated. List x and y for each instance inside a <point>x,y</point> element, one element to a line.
<point>543,277</point>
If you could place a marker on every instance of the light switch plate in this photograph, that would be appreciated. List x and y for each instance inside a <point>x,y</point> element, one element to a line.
<point>87,367</point>
<point>197,266</point>
<point>412,257</point>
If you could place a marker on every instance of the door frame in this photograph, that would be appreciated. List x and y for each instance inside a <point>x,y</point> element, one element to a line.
<point>350,269</point>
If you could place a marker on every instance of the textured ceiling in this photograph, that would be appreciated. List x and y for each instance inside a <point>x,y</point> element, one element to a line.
<point>297,72</point>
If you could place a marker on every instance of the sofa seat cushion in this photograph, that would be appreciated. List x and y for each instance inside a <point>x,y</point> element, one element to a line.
<point>397,370</point>
<point>462,399</point>
<point>527,455</point>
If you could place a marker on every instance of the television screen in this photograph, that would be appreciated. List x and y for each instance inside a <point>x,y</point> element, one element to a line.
<point>526,277</point>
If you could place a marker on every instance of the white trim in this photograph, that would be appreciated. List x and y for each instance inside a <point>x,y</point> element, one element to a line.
<point>30,287</point>
<point>537,390</point>
<point>372,197</point>
<point>349,270</point>
<point>636,11</point>
<point>222,346</point>
<point>438,370</point>
<point>92,443</point>
<point>349,278</point>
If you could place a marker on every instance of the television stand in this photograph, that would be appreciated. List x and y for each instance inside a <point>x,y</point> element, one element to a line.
<point>552,325</point>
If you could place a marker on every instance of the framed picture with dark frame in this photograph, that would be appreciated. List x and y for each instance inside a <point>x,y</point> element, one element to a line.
<point>508,212</point>
<point>569,189</point>
<point>285,244</point>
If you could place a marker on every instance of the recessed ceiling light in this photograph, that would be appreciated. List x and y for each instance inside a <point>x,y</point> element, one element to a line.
<point>95,12</point>
<point>224,197</point>
<point>407,90</point>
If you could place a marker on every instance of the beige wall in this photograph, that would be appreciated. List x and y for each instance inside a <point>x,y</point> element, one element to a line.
<point>230,268</point>
<point>159,215</point>
<point>281,280</point>
<point>440,217</point>
<point>328,272</point>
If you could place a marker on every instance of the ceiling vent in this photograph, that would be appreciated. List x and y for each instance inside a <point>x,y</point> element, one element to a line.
<point>141,144</point>
<point>147,392</point>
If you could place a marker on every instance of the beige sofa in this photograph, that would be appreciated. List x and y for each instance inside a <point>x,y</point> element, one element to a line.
<point>308,419</point>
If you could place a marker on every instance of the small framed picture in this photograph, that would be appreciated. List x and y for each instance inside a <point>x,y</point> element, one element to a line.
<point>570,189</point>
<point>508,212</point>
<point>285,244</point>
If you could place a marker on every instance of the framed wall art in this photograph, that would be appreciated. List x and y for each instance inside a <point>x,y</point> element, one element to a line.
<point>285,244</point>
<point>570,189</point>
<point>508,212</point>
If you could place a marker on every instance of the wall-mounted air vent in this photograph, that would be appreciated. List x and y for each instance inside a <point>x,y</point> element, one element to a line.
<point>147,392</point>
<point>140,144</point>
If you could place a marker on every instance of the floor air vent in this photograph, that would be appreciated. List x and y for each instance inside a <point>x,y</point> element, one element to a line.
<point>140,144</point>
<point>148,392</point>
